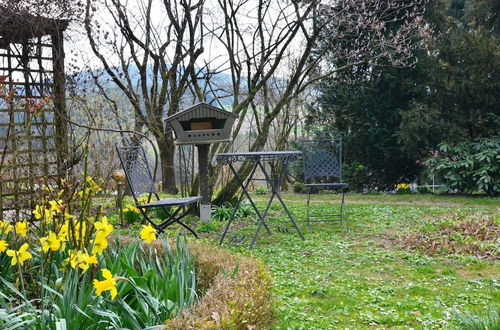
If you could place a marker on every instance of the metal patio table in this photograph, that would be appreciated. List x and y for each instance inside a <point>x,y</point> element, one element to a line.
<point>259,159</point>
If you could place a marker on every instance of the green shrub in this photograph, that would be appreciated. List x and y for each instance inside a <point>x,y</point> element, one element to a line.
<point>425,190</point>
<point>224,212</point>
<point>469,166</point>
<point>356,174</point>
<point>299,188</point>
<point>245,210</point>
<point>207,227</point>
<point>163,213</point>
<point>260,191</point>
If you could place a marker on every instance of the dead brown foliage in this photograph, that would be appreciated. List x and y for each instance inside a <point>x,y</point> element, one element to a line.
<point>242,301</point>
<point>471,234</point>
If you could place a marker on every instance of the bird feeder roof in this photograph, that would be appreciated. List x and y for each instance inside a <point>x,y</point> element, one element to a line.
<point>200,106</point>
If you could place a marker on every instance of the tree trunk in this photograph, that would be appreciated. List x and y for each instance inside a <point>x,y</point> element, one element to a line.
<point>166,150</point>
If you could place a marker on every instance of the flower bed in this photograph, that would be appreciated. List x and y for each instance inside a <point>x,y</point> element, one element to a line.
<point>458,233</point>
<point>69,267</point>
<point>64,269</point>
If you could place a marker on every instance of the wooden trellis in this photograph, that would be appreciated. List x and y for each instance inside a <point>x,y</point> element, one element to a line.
<point>33,129</point>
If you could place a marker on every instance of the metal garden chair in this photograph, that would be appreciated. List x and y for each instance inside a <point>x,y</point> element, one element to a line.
<point>323,169</point>
<point>134,162</point>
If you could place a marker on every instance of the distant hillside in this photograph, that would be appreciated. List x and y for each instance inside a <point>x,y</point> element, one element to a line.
<point>221,82</point>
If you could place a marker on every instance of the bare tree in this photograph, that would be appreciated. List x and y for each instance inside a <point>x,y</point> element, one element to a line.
<point>259,35</point>
<point>150,50</point>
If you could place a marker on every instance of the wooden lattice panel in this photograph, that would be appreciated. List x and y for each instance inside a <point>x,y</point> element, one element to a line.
<point>27,127</point>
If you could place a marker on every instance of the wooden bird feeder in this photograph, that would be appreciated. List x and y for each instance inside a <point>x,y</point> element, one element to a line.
<point>201,125</point>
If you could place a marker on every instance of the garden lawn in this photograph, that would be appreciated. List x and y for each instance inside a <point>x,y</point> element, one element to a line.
<point>364,278</point>
<point>370,277</point>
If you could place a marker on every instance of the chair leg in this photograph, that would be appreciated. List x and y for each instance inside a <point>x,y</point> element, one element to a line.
<point>308,206</point>
<point>343,215</point>
<point>177,219</point>
<point>172,219</point>
<point>146,218</point>
<point>187,227</point>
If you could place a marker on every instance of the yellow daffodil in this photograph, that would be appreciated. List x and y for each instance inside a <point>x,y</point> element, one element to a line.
<point>86,261</point>
<point>56,206</point>
<point>131,208</point>
<point>109,283</point>
<point>100,243</point>
<point>21,228</point>
<point>81,259</point>
<point>50,242</point>
<point>143,200</point>
<point>19,256</point>
<point>92,187</point>
<point>41,211</point>
<point>38,212</point>
<point>104,226</point>
<point>80,229</point>
<point>148,233</point>
<point>49,215</point>
<point>3,246</point>
<point>63,232</point>
<point>5,227</point>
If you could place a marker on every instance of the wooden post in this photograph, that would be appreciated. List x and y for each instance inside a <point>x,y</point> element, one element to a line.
<point>61,125</point>
<point>205,207</point>
<point>1,199</point>
<point>119,202</point>
<point>119,177</point>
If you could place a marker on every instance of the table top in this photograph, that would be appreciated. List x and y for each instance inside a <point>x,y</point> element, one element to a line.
<point>259,153</point>
<point>285,156</point>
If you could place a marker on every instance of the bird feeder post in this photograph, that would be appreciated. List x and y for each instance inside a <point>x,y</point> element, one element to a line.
<point>201,125</point>
<point>205,207</point>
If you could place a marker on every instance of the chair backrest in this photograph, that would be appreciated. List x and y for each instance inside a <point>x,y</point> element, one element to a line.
<point>135,164</point>
<point>322,159</point>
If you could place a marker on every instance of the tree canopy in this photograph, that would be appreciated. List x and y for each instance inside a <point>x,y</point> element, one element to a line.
<point>394,118</point>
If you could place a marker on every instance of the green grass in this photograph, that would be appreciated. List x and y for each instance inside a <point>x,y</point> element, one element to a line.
<point>363,278</point>
<point>445,199</point>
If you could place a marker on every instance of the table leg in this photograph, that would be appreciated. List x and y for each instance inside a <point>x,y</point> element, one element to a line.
<point>275,192</point>
<point>244,187</point>
<point>245,191</point>
<point>264,214</point>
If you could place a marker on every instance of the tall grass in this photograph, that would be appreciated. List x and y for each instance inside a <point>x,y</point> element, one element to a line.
<point>477,321</point>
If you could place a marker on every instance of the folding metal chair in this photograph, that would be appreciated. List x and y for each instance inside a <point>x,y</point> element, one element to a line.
<point>134,162</point>
<point>323,169</point>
